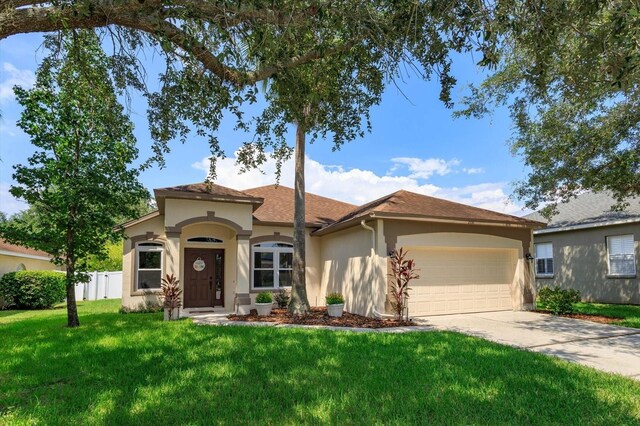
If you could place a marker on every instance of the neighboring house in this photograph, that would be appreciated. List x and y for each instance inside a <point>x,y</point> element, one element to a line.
<point>590,248</point>
<point>226,245</point>
<point>19,258</point>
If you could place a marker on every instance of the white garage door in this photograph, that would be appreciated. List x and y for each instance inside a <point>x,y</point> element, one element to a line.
<point>461,280</point>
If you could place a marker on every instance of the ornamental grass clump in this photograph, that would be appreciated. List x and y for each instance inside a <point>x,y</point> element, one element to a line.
<point>403,271</point>
<point>171,294</point>
<point>334,299</point>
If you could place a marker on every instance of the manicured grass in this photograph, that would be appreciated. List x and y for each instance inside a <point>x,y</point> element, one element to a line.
<point>136,369</point>
<point>629,313</point>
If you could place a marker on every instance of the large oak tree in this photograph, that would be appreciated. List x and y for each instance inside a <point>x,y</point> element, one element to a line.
<point>323,64</point>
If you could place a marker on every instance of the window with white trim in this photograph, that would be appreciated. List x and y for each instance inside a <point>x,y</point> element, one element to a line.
<point>622,260</point>
<point>544,259</point>
<point>148,271</point>
<point>272,265</point>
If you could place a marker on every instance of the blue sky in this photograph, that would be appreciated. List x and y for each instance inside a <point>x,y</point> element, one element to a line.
<point>415,145</point>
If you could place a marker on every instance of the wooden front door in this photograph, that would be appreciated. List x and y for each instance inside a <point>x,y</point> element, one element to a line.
<point>203,277</point>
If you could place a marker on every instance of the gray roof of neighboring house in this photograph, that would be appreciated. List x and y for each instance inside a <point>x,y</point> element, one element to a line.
<point>590,208</point>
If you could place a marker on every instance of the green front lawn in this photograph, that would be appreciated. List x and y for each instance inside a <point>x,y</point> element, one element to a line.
<point>630,314</point>
<point>136,369</point>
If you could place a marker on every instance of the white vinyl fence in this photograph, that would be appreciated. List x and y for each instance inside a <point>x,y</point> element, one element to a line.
<point>101,285</point>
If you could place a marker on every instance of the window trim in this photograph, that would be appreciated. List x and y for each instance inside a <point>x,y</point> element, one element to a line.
<point>276,264</point>
<point>144,246</point>
<point>553,263</point>
<point>633,257</point>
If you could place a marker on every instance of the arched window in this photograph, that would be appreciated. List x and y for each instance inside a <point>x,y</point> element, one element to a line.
<point>205,240</point>
<point>271,264</point>
<point>148,270</point>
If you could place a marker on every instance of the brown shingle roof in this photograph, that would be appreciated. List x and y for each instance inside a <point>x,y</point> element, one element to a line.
<point>204,191</point>
<point>5,246</point>
<point>278,206</point>
<point>409,204</point>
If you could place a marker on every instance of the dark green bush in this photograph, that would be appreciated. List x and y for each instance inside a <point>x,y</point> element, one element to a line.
<point>32,289</point>
<point>557,300</point>
<point>334,299</point>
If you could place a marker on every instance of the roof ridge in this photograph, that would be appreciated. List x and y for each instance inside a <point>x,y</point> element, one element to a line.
<point>306,193</point>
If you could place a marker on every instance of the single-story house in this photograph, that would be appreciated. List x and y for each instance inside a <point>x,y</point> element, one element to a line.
<point>226,246</point>
<point>19,258</point>
<point>589,247</point>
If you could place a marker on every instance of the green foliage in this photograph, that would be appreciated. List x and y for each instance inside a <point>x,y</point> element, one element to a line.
<point>142,308</point>
<point>264,297</point>
<point>570,74</point>
<point>79,180</point>
<point>113,261</point>
<point>557,300</point>
<point>334,299</point>
<point>32,289</point>
<point>282,299</point>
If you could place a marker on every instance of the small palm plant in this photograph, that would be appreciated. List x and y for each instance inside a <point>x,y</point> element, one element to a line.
<point>402,272</point>
<point>171,294</point>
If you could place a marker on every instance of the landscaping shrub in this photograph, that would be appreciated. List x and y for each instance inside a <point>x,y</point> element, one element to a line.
<point>282,299</point>
<point>557,300</point>
<point>142,308</point>
<point>334,299</point>
<point>264,297</point>
<point>32,289</point>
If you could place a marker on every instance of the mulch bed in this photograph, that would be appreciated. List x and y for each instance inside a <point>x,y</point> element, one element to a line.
<point>586,317</point>
<point>319,316</point>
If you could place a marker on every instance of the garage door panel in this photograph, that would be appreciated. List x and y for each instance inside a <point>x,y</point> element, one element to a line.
<point>461,280</point>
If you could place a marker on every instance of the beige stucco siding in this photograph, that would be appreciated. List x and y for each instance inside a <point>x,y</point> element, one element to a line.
<point>153,228</point>
<point>350,266</point>
<point>10,263</point>
<point>179,210</point>
<point>580,260</point>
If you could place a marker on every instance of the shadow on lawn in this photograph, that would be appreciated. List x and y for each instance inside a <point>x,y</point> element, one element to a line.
<point>123,369</point>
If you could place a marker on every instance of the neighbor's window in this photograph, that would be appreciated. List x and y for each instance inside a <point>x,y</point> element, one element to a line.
<point>544,259</point>
<point>622,261</point>
<point>148,266</point>
<point>272,264</point>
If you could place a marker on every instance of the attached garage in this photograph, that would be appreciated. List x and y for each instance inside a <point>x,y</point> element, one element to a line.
<point>462,280</point>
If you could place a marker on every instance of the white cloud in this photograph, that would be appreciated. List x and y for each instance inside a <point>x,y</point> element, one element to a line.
<point>8,203</point>
<point>359,186</point>
<point>424,168</point>
<point>12,76</point>
<point>473,170</point>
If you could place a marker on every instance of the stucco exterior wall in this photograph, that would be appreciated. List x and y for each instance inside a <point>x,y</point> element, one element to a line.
<point>350,266</point>
<point>10,263</point>
<point>149,230</point>
<point>580,262</point>
<point>178,210</point>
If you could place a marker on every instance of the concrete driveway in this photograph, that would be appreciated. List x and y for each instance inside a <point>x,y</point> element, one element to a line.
<point>605,347</point>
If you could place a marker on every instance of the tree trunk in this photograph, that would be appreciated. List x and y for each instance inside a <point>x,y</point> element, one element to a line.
<point>299,304</point>
<point>72,309</point>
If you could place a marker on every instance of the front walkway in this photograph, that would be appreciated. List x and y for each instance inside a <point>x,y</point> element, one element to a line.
<point>605,347</point>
